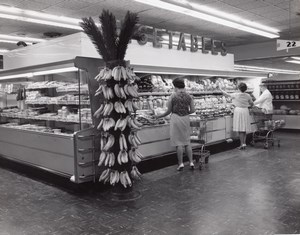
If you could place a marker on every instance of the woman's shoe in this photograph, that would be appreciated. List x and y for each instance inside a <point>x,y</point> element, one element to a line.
<point>192,166</point>
<point>180,168</point>
<point>242,147</point>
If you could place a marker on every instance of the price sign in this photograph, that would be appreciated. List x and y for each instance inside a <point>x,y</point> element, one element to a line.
<point>287,44</point>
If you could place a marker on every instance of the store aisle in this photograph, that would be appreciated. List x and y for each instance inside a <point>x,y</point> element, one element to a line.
<point>251,192</point>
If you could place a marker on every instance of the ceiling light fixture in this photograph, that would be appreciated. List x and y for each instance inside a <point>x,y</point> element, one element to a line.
<point>39,73</point>
<point>295,58</point>
<point>208,16</point>
<point>3,50</point>
<point>39,17</point>
<point>264,69</point>
<point>293,61</point>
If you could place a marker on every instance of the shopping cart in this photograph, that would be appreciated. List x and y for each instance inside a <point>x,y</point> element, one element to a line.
<point>265,127</point>
<point>198,136</point>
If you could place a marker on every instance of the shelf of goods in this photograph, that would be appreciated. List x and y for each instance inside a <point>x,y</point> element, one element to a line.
<point>46,121</point>
<point>286,101</point>
<point>213,117</point>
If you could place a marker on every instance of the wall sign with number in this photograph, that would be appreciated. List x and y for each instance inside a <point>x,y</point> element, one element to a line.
<point>287,44</point>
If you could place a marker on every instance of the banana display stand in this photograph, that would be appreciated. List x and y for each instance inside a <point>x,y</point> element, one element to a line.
<point>114,90</point>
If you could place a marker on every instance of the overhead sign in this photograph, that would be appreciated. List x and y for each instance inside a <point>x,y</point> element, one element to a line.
<point>287,44</point>
<point>180,41</point>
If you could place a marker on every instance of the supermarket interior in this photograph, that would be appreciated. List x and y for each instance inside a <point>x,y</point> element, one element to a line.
<point>101,99</point>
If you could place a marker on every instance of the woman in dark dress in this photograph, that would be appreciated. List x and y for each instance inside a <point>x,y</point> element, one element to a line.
<point>180,105</point>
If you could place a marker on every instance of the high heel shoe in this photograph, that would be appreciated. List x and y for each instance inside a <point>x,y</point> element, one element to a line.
<point>180,167</point>
<point>192,166</point>
<point>242,147</point>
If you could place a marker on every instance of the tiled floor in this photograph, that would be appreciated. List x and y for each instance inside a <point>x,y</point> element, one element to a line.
<point>255,192</point>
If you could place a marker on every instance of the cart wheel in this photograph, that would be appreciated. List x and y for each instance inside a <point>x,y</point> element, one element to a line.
<point>200,167</point>
<point>252,143</point>
<point>266,146</point>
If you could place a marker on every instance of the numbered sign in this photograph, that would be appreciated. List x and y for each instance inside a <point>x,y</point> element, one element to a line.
<point>287,44</point>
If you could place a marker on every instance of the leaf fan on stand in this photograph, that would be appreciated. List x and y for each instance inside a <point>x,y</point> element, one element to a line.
<point>117,84</point>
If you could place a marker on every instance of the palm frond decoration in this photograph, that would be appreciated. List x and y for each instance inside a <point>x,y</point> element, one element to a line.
<point>109,31</point>
<point>126,33</point>
<point>90,28</point>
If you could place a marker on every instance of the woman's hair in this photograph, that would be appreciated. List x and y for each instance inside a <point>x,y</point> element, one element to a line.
<point>242,87</point>
<point>179,83</point>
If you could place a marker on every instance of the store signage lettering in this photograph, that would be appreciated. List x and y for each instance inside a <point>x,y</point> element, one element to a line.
<point>182,41</point>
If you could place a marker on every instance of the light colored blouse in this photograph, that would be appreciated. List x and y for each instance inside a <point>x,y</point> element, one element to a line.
<point>241,100</point>
<point>265,102</point>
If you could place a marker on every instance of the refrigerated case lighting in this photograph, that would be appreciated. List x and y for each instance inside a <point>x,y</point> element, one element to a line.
<point>39,73</point>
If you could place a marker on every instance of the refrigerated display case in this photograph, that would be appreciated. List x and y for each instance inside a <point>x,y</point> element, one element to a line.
<point>46,119</point>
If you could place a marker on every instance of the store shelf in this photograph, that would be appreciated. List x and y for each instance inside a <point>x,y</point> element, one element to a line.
<point>286,100</point>
<point>284,89</point>
<point>52,118</point>
<point>60,102</point>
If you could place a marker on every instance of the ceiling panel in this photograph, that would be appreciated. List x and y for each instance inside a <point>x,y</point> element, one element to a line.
<point>246,5</point>
<point>224,7</point>
<point>11,2</point>
<point>74,5</point>
<point>33,5</point>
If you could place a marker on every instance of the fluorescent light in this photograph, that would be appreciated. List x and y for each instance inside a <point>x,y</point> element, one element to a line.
<point>3,50</point>
<point>207,17</point>
<point>39,73</point>
<point>240,20</point>
<point>295,58</point>
<point>293,61</point>
<point>264,69</point>
<point>54,71</point>
<point>18,38</point>
<point>22,75</point>
<point>39,17</point>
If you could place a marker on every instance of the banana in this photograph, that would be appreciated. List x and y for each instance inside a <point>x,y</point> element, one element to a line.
<point>133,156</point>
<point>124,124</point>
<point>117,90</point>
<point>110,143</point>
<point>121,142</point>
<point>139,154</point>
<point>107,159</point>
<point>102,158</point>
<point>110,93</point>
<point>123,179</point>
<point>108,74</point>
<point>99,90</point>
<point>115,73</point>
<point>112,159</point>
<point>132,124</point>
<point>100,124</point>
<point>132,91</point>
<point>99,111</point>
<point>119,157</point>
<point>124,157</point>
<point>104,175</point>
<point>138,139</point>
<point>100,74</point>
<point>135,174</point>
<point>135,106</point>
<point>119,107</point>
<point>123,72</point>
<point>126,89</point>
<point>117,176</point>
<point>133,142</point>
<point>122,92</point>
<point>136,122</point>
<point>108,109</point>
<point>117,124</point>
<point>128,180</point>
<point>137,170</point>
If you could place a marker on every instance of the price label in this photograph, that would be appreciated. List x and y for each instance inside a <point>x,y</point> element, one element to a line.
<point>287,44</point>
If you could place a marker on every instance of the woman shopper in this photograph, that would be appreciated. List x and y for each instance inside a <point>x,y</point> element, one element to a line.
<point>241,117</point>
<point>180,105</point>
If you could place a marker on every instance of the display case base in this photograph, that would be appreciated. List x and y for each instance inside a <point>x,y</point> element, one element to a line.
<point>119,193</point>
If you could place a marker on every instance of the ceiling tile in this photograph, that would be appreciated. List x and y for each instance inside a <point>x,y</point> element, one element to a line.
<point>10,2</point>
<point>246,5</point>
<point>223,7</point>
<point>73,5</point>
<point>263,10</point>
<point>50,2</point>
<point>33,5</point>
<point>59,11</point>
<point>275,2</point>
